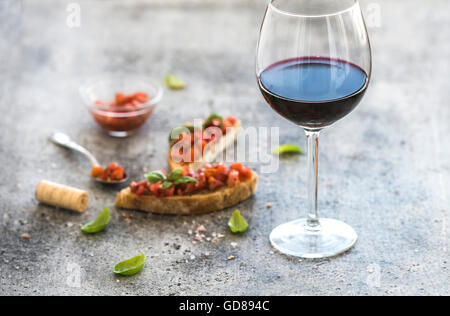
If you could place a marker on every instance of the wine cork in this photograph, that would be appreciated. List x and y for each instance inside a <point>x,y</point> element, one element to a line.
<point>62,196</point>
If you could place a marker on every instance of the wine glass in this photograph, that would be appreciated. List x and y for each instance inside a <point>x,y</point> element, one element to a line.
<point>313,67</point>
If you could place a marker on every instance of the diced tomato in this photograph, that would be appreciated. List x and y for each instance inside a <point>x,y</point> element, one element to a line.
<point>169,191</point>
<point>140,190</point>
<point>211,182</point>
<point>236,166</point>
<point>200,185</point>
<point>233,178</point>
<point>103,176</point>
<point>141,97</point>
<point>221,168</point>
<point>228,122</point>
<point>123,103</point>
<point>201,178</point>
<point>231,119</point>
<point>190,187</point>
<point>211,177</point>
<point>214,183</point>
<point>120,98</point>
<point>186,171</point>
<point>222,177</point>
<point>97,171</point>
<point>132,100</point>
<point>154,188</point>
<point>245,173</point>
<point>113,166</point>
<point>143,182</point>
<point>118,174</point>
<point>133,187</point>
<point>210,172</point>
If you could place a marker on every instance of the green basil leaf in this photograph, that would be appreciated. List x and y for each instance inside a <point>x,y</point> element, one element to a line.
<point>155,176</point>
<point>211,118</point>
<point>287,149</point>
<point>237,223</point>
<point>98,224</point>
<point>174,82</point>
<point>166,184</point>
<point>174,175</point>
<point>177,131</point>
<point>185,179</point>
<point>130,266</point>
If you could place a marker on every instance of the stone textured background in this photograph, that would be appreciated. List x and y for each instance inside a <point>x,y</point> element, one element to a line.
<point>384,169</point>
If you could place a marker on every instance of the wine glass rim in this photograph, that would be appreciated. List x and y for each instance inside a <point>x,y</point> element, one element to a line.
<point>339,12</point>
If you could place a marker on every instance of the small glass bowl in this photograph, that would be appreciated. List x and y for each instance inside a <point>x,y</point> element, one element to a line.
<point>120,121</point>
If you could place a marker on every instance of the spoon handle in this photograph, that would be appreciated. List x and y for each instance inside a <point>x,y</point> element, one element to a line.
<point>64,140</point>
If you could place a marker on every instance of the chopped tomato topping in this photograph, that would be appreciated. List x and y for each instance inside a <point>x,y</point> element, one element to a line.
<point>236,166</point>
<point>211,177</point>
<point>155,188</point>
<point>233,178</point>
<point>113,166</point>
<point>245,173</point>
<point>118,174</point>
<point>141,97</point>
<point>187,172</point>
<point>132,120</point>
<point>140,190</point>
<point>200,138</point>
<point>230,119</point>
<point>189,188</point>
<point>114,172</point>
<point>143,182</point>
<point>221,168</point>
<point>168,192</point>
<point>214,183</point>
<point>120,98</point>
<point>135,99</point>
<point>97,171</point>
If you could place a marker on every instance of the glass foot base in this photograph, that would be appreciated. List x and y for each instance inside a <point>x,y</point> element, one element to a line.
<point>331,239</point>
<point>121,134</point>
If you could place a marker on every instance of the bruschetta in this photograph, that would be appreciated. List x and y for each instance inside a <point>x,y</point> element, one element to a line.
<point>184,192</point>
<point>195,146</point>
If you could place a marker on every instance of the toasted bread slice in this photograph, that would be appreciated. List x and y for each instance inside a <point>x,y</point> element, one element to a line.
<point>197,203</point>
<point>211,155</point>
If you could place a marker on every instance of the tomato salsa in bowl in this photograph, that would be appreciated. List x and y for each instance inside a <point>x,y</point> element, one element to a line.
<point>121,104</point>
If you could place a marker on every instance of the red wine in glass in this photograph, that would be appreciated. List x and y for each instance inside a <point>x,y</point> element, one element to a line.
<point>313,67</point>
<point>313,92</point>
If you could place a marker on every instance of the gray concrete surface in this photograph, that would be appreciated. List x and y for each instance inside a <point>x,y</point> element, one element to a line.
<point>384,169</point>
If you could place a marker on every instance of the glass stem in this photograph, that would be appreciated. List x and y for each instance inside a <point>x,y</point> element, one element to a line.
<point>313,172</point>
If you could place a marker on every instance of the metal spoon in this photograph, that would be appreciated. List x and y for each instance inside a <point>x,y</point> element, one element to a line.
<point>64,140</point>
